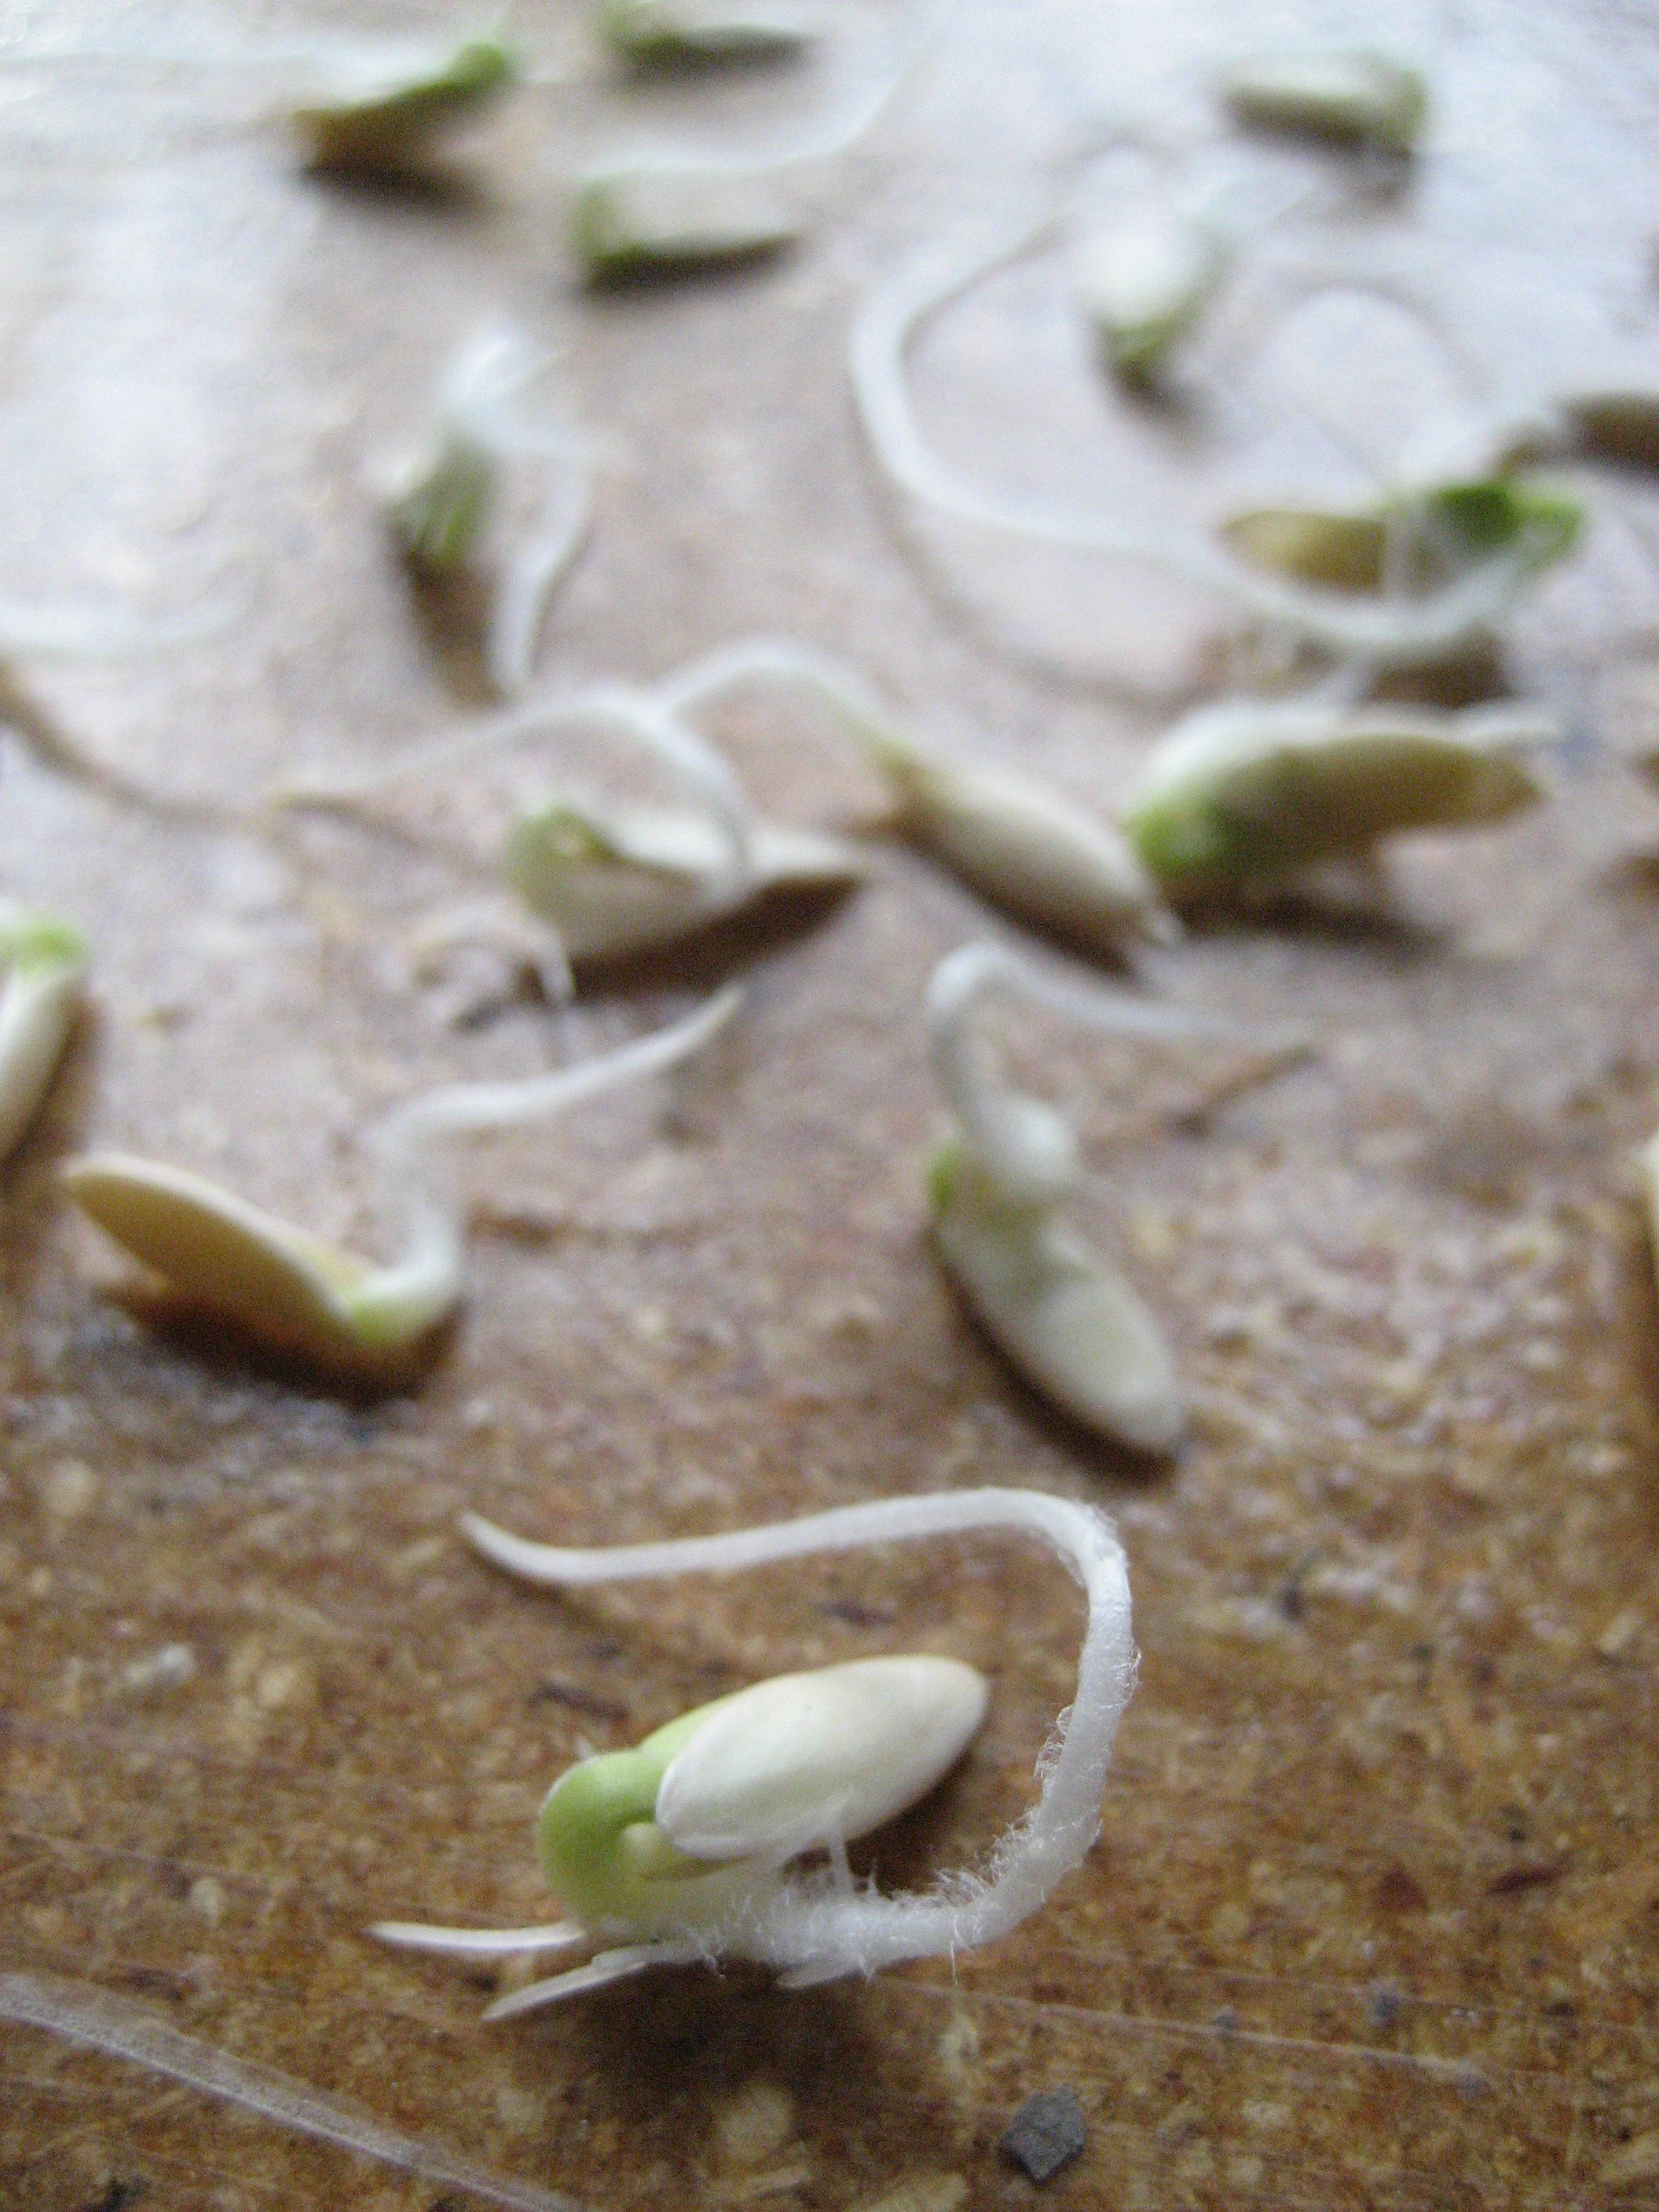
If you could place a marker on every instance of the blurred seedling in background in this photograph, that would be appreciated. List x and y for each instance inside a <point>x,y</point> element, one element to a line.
<point>685,1850</point>
<point>211,1254</point>
<point>705,34</point>
<point>43,972</point>
<point>614,882</point>
<point>1030,849</point>
<point>998,1185</point>
<point>1351,96</point>
<point>444,502</point>
<point>373,107</point>
<point>391,113</point>
<point>663,210</point>
<point>1376,608</point>
<point>1257,791</point>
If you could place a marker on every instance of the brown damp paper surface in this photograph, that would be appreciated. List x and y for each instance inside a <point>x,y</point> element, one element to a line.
<point>1373,1920</point>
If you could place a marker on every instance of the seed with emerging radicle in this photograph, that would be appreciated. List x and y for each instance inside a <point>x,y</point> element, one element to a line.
<point>679,1851</point>
<point>43,968</point>
<point>1253,791</point>
<point>1030,849</point>
<point>615,883</point>
<point>1427,537</point>
<point>996,1186</point>
<point>441,500</point>
<point>213,1254</point>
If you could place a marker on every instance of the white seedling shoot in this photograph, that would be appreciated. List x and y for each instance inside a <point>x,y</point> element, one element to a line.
<point>613,882</point>
<point>1375,632</point>
<point>1028,848</point>
<point>1258,791</point>
<point>43,972</point>
<point>680,1851</point>
<point>212,1253</point>
<point>655,33</point>
<point>1352,94</point>
<point>443,499</point>
<point>998,1184</point>
<point>668,210</point>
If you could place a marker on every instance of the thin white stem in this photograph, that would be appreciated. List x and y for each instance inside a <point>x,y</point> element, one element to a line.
<point>407,1141</point>
<point>798,1927</point>
<point>533,574</point>
<point>637,713</point>
<point>480,1942</point>
<point>887,324</point>
<point>96,2020</point>
<point>959,986</point>
<point>608,1967</point>
<point>480,417</point>
<point>780,660</point>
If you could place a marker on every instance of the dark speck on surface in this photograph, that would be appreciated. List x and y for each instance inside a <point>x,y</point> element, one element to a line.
<point>1048,2132</point>
<point>118,2196</point>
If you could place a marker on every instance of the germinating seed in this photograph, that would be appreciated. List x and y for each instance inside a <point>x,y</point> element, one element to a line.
<point>212,1253</point>
<point>680,1848</point>
<point>1247,790</point>
<point>629,222</point>
<point>1339,92</point>
<point>43,969</point>
<point>391,111</point>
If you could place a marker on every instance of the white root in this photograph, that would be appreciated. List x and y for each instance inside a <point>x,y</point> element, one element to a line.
<point>441,503</point>
<point>813,1930</point>
<point>97,2020</point>
<point>993,1123</point>
<point>480,1942</point>
<point>1394,634</point>
<point>212,1249</point>
<point>407,1143</point>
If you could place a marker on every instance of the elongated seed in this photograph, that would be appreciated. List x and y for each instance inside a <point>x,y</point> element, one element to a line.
<point>1351,92</point>
<point>389,114</point>
<point>1248,790</point>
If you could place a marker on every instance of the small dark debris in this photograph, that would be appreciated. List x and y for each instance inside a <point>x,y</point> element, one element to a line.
<point>858,1616</point>
<point>1048,2132</point>
<point>120,2194</point>
<point>1517,1878</point>
<point>1397,1891</point>
<point>1291,1602</point>
<point>555,1692</point>
<point>159,1982</point>
<point>1383,2006</point>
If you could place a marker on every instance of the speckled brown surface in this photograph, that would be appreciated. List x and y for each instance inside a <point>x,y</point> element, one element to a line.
<point>1372,1922</point>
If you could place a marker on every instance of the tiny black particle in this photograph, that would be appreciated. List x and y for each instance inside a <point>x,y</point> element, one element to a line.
<point>1047,2132</point>
<point>118,2196</point>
